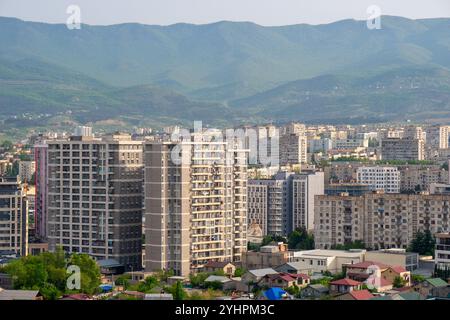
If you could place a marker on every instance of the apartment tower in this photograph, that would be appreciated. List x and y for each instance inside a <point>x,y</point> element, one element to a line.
<point>95,197</point>
<point>195,204</point>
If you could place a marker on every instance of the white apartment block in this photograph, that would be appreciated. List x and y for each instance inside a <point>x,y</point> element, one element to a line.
<point>381,221</point>
<point>195,206</point>
<point>385,179</point>
<point>13,217</point>
<point>94,200</point>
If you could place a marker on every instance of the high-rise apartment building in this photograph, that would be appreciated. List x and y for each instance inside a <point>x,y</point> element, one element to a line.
<point>94,197</point>
<point>41,183</point>
<point>442,252</point>
<point>379,220</point>
<point>26,170</point>
<point>404,149</point>
<point>13,217</point>
<point>195,203</point>
<point>284,202</point>
<point>385,179</point>
<point>437,137</point>
<point>293,148</point>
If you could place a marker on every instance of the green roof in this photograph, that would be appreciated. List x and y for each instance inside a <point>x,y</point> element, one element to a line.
<point>437,282</point>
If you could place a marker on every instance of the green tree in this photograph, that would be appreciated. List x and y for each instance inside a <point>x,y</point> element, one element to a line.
<point>198,279</point>
<point>399,282</point>
<point>239,272</point>
<point>90,272</point>
<point>148,284</point>
<point>423,243</point>
<point>179,293</point>
<point>300,239</point>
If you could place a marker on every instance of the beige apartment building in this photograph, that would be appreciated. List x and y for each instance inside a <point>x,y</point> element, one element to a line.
<point>95,197</point>
<point>195,206</point>
<point>13,217</point>
<point>381,221</point>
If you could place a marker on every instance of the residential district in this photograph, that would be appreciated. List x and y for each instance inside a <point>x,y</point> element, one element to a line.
<point>270,212</point>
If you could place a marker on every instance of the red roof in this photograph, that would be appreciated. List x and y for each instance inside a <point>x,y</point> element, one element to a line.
<point>346,282</point>
<point>361,294</point>
<point>367,264</point>
<point>398,269</point>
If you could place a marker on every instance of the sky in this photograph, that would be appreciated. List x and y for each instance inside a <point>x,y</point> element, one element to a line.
<point>263,12</point>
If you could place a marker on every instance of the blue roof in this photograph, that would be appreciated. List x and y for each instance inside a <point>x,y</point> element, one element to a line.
<point>274,293</point>
<point>106,287</point>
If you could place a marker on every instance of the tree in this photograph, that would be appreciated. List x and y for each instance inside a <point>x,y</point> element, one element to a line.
<point>179,293</point>
<point>399,282</point>
<point>300,239</point>
<point>148,284</point>
<point>239,272</point>
<point>271,238</point>
<point>90,272</point>
<point>358,244</point>
<point>423,243</point>
<point>198,279</point>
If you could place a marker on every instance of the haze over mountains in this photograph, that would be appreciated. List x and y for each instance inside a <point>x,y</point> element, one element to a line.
<point>226,72</point>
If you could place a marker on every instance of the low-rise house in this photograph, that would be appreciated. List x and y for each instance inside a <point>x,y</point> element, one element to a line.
<point>395,256</point>
<point>356,295</point>
<point>254,276</point>
<point>293,267</point>
<point>268,256</point>
<point>320,260</point>
<point>77,296</point>
<point>344,286</point>
<point>315,291</point>
<point>426,287</point>
<point>220,266</point>
<point>20,295</point>
<point>397,271</point>
<point>284,280</point>
<point>413,296</point>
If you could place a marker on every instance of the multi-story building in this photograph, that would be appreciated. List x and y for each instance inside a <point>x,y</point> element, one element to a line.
<point>26,170</point>
<point>350,144</point>
<point>403,149</point>
<point>13,217</point>
<point>319,145</point>
<point>284,202</point>
<point>420,177</point>
<point>94,200</point>
<point>293,148</point>
<point>195,206</point>
<point>442,252</point>
<point>437,137</point>
<point>41,184</point>
<point>379,220</point>
<point>385,179</point>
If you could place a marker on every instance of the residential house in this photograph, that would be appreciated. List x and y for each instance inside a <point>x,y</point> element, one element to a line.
<point>220,266</point>
<point>284,280</point>
<point>267,257</point>
<point>315,291</point>
<point>344,286</point>
<point>20,294</point>
<point>356,295</point>
<point>426,287</point>
<point>254,276</point>
<point>397,271</point>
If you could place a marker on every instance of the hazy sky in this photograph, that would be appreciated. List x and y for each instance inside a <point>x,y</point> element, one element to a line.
<point>264,12</point>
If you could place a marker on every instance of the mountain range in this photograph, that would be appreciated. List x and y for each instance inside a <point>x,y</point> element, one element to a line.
<point>224,73</point>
